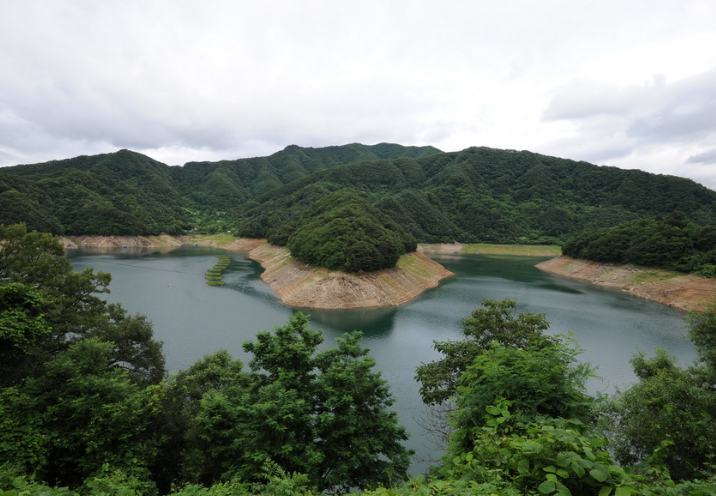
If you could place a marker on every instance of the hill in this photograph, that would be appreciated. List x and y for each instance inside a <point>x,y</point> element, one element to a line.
<point>475,195</point>
<point>488,195</point>
<point>127,193</point>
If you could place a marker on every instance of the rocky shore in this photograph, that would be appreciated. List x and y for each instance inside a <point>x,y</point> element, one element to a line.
<point>685,292</point>
<point>299,285</point>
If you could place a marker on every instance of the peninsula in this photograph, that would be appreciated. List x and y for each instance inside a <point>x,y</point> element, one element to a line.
<point>300,285</point>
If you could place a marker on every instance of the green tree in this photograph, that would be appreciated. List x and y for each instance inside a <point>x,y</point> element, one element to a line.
<point>67,307</point>
<point>497,322</point>
<point>671,409</point>
<point>87,414</point>
<point>307,411</point>
<point>537,383</point>
<point>184,450</point>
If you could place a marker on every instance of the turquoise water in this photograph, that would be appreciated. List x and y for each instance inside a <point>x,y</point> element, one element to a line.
<point>193,319</point>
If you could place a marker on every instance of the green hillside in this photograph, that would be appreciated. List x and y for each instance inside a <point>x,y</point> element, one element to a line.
<point>488,195</point>
<point>476,195</point>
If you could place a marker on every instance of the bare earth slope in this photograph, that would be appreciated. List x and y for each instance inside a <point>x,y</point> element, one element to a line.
<point>299,285</point>
<point>685,292</point>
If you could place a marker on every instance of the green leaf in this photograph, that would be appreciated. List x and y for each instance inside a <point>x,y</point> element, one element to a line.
<point>563,460</point>
<point>523,466</point>
<point>599,474</point>
<point>493,410</point>
<point>546,487</point>
<point>532,447</point>
<point>623,491</point>
<point>605,491</point>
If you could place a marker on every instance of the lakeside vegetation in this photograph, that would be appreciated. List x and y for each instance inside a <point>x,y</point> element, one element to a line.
<point>86,406</point>
<point>214,275</point>
<point>672,243</point>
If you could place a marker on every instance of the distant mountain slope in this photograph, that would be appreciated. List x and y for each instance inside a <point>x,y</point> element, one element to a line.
<point>478,194</point>
<point>223,185</point>
<point>118,193</point>
<point>484,194</point>
<point>129,193</point>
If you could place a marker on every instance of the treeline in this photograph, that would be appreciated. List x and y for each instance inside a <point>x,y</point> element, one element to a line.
<point>672,242</point>
<point>476,195</point>
<point>126,193</point>
<point>86,407</point>
<point>122,193</point>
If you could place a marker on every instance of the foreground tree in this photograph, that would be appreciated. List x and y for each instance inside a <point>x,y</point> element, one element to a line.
<point>83,414</point>
<point>670,409</point>
<point>496,322</point>
<point>321,413</point>
<point>48,307</point>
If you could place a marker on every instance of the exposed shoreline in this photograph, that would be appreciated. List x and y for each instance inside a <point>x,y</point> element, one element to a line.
<point>306,287</point>
<point>299,285</point>
<point>684,292</point>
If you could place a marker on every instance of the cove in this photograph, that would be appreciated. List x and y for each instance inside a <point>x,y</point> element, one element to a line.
<point>193,319</point>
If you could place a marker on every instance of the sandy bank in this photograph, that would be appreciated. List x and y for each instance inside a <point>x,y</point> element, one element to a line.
<point>119,241</point>
<point>685,292</point>
<point>164,240</point>
<point>300,285</point>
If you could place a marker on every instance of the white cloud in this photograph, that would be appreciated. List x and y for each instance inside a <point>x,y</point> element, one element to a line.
<point>182,80</point>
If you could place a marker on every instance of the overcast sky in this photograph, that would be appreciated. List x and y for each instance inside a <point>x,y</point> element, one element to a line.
<point>630,83</point>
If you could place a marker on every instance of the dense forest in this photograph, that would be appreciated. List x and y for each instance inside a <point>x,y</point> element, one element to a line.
<point>86,406</point>
<point>476,195</point>
<point>670,242</point>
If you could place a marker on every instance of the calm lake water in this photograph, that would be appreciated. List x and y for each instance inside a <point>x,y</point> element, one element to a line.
<point>193,319</point>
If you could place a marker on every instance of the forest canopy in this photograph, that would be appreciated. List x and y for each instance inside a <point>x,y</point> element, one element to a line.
<point>672,242</point>
<point>476,195</point>
<point>344,232</point>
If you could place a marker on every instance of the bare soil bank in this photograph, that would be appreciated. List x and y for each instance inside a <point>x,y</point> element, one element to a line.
<point>685,292</point>
<point>164,240</point>
<point>119,241</point>
<point>300,285</point>
<point>297,284</point>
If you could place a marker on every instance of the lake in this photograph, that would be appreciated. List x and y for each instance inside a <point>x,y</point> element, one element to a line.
<point>193,319</point>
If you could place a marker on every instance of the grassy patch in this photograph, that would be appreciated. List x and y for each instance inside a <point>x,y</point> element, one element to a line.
<point>527,250</point>
<point>218,239</point>
<point>654,276</point>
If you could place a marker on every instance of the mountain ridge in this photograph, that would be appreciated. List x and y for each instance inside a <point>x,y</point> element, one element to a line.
<point>479,194</point>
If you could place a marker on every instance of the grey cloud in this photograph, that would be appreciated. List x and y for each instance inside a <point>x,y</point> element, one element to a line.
<point>581,99</point>
<point>707,157</point>
<point>689,112</point>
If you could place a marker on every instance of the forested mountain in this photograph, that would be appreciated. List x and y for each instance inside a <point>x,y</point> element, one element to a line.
<point>489,195</point>
<point>122,193</point>
<point>476,195</point>
<point>127,193</point>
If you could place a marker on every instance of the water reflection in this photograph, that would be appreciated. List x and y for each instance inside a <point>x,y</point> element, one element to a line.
<point>374,322</point>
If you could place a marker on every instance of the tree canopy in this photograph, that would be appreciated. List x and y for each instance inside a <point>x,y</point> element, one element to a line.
<point>672,242</point>
<point>344,232</point>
